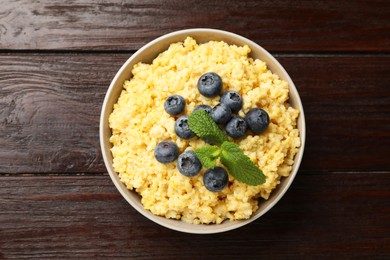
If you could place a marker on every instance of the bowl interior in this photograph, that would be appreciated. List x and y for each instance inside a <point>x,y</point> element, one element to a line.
<point>146,54</point>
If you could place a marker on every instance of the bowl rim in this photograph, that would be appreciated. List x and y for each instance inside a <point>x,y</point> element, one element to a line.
<point>217,228</point>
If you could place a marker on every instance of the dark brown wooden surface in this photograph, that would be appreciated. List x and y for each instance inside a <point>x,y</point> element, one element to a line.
<point>57,59</point>
<point>127,25</point>
<point>89,218</point>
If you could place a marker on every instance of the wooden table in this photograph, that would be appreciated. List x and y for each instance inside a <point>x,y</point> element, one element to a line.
<point>57,59</point>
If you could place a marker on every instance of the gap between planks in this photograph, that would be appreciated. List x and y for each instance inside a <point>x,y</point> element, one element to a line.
<point>276,53</point>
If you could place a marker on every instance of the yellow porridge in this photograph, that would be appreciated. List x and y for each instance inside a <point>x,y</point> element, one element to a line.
<point>139,122</point>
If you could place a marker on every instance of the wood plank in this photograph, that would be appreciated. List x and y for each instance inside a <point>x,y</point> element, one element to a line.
<point>337,216</point>
<point>49,111</point>
<point>346,100</point>
<point>127,25</point>
<point>50,106</point>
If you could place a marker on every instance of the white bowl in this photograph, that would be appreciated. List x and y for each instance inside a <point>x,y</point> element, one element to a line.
<point>146,54</point>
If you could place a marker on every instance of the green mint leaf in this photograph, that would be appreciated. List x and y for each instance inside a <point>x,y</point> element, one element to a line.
<point>201,123</point>
<point>208,155</point>
<point>240,166</point>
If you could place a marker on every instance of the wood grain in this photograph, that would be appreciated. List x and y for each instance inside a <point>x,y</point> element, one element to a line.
<point>346,100</point>
<point>50,106</point>
<point>49,110</point>
<point>76,217</point>
<point>127,25</point>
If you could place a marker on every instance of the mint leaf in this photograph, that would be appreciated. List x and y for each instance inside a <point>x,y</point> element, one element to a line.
<point>240,166</point>
<point>208,155</point>
<point>201,123</point>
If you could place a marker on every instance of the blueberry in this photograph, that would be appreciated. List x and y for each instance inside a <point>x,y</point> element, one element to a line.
<point>203,107</point>
<point>215,179</point>
<point>210,84</point>
<point>257,120</point>
<point>166,152</point>
<point>236,127</point>
<point>174,105</point>
<point>188,164</point>
<point>221,114</point>
<point>182,129</point>
<point>232,99</point>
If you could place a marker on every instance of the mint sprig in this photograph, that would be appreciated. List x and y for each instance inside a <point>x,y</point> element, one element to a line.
<point>201,123</point>
<point>238,164</point>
